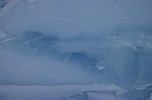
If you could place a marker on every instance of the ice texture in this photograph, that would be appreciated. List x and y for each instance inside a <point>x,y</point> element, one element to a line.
<point>78,42</point>
<point>62,92</point>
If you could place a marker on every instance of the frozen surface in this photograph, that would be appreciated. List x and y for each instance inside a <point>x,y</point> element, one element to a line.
<point>61,92</point>
<point>73,92</point>
<point>78,42</point>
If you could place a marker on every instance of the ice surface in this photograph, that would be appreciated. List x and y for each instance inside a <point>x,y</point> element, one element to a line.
<point>77,42</point>
<point>73,92</point>
<point>49,59</point>
<point>61,92</point>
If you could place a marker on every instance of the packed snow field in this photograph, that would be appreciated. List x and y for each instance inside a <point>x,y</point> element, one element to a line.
<point>58,50</point>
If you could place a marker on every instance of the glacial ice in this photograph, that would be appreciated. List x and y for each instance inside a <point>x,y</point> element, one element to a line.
<point>82,42</point>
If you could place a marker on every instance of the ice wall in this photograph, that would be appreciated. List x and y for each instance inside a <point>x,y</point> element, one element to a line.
<point>76,42</point>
